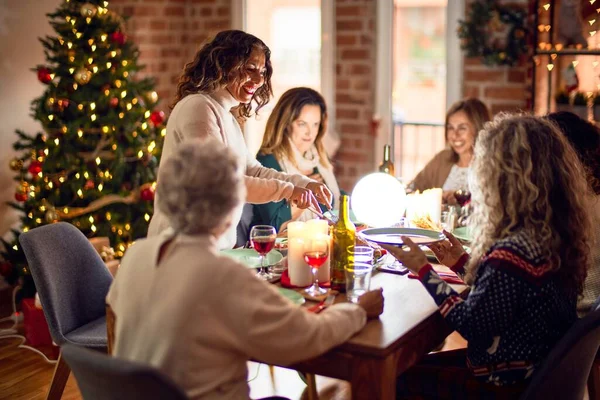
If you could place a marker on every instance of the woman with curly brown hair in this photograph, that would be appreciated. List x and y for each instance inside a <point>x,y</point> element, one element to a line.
<point>527,266</point>
<point>231,70</point>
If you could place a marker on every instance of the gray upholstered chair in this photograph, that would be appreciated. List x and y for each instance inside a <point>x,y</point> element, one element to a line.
<point>564,373</point>
<point>102,377</point>
<point>72,282</point>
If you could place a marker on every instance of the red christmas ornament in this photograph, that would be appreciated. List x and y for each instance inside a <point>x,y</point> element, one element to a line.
<point>35,167</point>
<point>89,184</point>
<point>157,117</point>
<point>44,75</point>
<point>147,194</point>
<point>118,38</point>
<point>21,197</point>
<point>114,102</point>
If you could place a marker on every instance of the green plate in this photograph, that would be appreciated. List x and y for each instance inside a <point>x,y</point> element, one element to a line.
<point>251,257</point>
<point>294,296</point>
<point>462,233</point>
<point>392,236</point>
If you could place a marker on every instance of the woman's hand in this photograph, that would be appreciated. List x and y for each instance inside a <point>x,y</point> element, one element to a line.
<point>372,303</point>
<point>449,251</point>
<point>303,198</point>
<point>321,192</point>
<point>413,259</point>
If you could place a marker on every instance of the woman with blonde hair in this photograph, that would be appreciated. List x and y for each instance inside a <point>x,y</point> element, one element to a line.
<point>199,315</point>
<point>231,70</point>
<point>527,266</point>
<point>449,168</point>
<point>293,143</point>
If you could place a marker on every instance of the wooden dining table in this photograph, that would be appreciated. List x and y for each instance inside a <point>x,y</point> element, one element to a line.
<point>409,327</point>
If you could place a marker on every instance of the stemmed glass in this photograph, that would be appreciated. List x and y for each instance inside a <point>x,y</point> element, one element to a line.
<point>263,239</point>
<point>463,197</point>
<point>316,252</point>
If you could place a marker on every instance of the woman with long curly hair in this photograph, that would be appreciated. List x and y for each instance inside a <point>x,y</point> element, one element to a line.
<point>231,70</point>
<point>293,143</point>
<point>528,263</point>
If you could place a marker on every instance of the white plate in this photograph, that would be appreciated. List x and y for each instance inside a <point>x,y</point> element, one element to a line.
<point>393,235</point>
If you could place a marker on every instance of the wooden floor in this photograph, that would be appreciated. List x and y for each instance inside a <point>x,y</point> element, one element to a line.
<point>26,375</point>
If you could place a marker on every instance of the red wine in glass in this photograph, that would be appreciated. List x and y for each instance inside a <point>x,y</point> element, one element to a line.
<point>462,197</point>
<point>315,258</point>
<point>263,245</point>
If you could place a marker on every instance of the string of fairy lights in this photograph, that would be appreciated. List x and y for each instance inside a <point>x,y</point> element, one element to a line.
<point>545,28</point>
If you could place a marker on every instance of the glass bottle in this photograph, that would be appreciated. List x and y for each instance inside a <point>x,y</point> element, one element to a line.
<point>387,166</point>
<point>344,238</point>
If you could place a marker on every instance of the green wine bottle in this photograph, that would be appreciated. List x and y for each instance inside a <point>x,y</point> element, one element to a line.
<point>344,238</point>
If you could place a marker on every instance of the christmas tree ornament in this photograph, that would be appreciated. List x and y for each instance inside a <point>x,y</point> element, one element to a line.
<point>83,76</point>
<point>88,10</point>
<point>35,167</point>
<point>51,215</point>
<point>118,38</point>
<point>147,194</point>
<point>62,104</point>
<point>16,164</point>
<point>22,197</point>
<point>157,117</point>
<point>23,187</point>
<point>89,184</point>
<point>114,102</point>
<point>44,75</point>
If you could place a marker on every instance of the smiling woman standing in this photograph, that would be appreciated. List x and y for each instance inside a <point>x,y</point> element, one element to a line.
<point>448,169</point>
<point>231,70</point>
<point>293,143</point>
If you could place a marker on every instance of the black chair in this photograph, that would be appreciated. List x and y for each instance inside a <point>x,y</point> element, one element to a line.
<point>102,377</point>
<point>72,281</point>
<point>564,373</point>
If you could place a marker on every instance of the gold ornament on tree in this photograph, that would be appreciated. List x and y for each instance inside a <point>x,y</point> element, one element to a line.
<point>83,76</point>
<point>51,215</point>
<point>88,10</point>
<point>16,164</point>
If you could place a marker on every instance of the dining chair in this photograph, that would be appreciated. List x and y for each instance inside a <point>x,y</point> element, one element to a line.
<point>72,282</point>
<point>564,373</point>
<point>100,376</point>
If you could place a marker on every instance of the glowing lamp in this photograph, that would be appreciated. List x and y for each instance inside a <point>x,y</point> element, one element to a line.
<point>379,200</point>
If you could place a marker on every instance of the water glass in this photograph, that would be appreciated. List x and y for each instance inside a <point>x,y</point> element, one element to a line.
<point>358,280</point>
<point>363,254</point>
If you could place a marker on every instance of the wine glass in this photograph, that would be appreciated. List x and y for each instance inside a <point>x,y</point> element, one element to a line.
<point>263,239</point>
<point>316,252</point>
<point>463,197</point>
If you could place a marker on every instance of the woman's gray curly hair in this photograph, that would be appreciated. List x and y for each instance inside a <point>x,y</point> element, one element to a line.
<point>199,186</point>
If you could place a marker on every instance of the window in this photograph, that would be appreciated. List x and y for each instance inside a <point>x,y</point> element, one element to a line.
<point>292,30</point>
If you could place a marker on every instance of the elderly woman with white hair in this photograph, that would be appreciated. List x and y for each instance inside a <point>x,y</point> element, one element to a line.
<point>198,315</point>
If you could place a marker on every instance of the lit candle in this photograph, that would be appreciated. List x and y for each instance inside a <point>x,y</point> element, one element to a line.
<point>298,270</point>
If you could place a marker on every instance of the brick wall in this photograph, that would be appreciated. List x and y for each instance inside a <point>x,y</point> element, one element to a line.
<point>354,88</point>
<point>501,88</point>
<point>168,33</point>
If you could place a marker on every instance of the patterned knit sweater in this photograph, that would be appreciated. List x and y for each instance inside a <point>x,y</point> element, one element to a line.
<point>514,314</point>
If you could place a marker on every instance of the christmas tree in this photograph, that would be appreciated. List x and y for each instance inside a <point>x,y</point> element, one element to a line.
<point>94,165</point>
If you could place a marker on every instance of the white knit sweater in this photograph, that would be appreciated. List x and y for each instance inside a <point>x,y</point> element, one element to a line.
<point>199,316</point>
<point>204,115</point>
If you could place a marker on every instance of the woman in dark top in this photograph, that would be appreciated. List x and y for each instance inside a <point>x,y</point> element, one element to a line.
<point>293,143</point>
<point>527,266</point>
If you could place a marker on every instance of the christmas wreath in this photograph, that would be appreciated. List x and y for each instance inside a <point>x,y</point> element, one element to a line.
<point>496,33</point>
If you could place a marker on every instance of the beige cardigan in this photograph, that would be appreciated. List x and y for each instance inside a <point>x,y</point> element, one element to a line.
<point>199,316</point>
<point>204,115</point>
<point>435,172</point>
